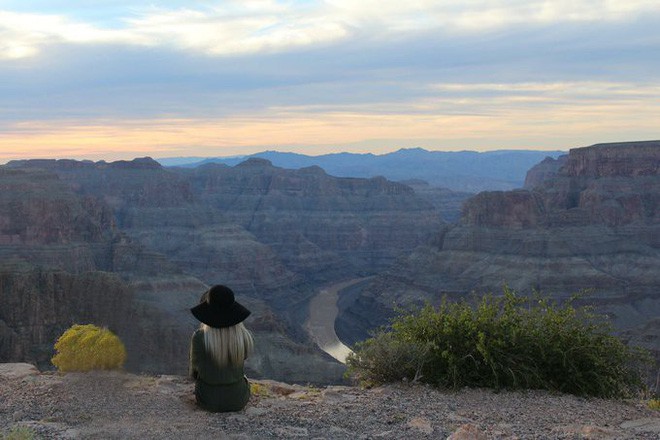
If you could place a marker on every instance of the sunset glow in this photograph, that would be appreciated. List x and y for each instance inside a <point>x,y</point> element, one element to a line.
<point>230,78</point>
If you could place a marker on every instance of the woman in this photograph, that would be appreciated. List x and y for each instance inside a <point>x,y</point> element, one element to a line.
<point>217,351</point>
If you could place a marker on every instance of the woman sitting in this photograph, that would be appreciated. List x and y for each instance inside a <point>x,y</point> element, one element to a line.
<point>217,351</point>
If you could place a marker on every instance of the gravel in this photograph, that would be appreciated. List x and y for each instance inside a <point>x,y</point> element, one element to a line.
<point>117,405</point>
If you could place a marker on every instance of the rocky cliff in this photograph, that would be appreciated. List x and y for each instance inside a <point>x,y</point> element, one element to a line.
<point>321,226</point>
<point>39,209</point>
<point>594,223</point>
<point>544,170</point>
<point>38,305</point>
<point>447,202</point>
<point>614,160</point>
<point>271,234</point>
<point>95,242</point>
<point>63,262</point>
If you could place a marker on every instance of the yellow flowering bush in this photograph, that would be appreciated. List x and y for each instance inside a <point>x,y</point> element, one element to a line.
<point>88,347</point>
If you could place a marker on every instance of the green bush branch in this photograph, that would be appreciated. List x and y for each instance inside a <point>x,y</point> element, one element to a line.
<point>509,342</point>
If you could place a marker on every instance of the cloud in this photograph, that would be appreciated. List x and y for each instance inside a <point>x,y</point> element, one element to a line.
<point>227,29</point>
<point>240,75</point>
<point>25,34</point>
<point>267,26</point>
<point>237,28</point>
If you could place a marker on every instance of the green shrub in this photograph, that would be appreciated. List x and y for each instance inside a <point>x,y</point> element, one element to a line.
<point>387,358</point>
<point>503,342</point>
<point>88,347</point>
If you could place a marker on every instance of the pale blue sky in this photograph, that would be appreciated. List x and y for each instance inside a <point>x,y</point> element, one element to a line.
<point>119,79</point>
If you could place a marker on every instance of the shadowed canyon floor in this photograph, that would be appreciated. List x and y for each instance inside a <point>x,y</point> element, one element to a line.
<point>116,405</point>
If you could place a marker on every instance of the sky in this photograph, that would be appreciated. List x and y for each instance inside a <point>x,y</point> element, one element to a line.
<point>98,79</point>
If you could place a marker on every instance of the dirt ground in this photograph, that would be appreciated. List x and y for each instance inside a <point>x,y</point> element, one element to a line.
<point>118,405</point>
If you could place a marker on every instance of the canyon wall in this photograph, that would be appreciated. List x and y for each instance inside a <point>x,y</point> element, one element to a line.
<point>322,227</point>
<point>273,235</point>
<point>593,223</point>
<point>39,304</point>
<point>64,261</point>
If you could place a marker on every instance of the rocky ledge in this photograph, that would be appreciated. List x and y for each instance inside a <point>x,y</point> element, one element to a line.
<point>117,405</point>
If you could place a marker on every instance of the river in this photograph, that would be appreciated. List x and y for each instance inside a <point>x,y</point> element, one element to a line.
<point>321,322</point>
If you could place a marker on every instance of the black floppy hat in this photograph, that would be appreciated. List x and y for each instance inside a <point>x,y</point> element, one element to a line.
<point>218,308</point>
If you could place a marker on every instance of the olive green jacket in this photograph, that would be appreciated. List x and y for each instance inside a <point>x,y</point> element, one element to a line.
<point>217,389</point>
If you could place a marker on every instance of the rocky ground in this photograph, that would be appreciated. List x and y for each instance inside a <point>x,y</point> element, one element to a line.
<point>117,405</point>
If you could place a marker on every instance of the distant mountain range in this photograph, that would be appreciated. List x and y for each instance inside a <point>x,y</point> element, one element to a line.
<point>468,171</point>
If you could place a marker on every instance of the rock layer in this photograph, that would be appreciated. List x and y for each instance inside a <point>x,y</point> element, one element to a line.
<point>321,226</point>
<point>87,243</point>
<point>269,233</point>
<point>593,224</point>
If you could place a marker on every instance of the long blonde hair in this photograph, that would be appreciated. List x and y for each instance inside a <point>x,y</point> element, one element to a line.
<point>228,345</point>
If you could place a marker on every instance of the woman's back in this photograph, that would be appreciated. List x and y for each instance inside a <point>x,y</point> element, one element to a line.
<point>218,350</point>
<point>217,388</point>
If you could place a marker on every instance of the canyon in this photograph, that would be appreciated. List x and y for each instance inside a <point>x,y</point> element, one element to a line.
<point>132,245</point>
<point>587,222</point>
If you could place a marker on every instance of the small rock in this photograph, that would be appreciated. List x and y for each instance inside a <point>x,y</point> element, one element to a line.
<point>254,411</point>
<point>598,433</point>
<point>648,424</point>
<point>17,371</point>
<point>337,394</point>
<point>299,395</point>
<point>18,415</point>
<point>337,389</point>
<point>71,433</point>
<point>421,424</point>
<point>468,432</point>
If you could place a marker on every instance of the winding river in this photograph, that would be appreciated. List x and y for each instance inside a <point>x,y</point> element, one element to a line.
<point>321,322</point>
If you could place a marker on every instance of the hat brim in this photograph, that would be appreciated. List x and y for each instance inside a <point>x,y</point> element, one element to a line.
<point>220,317</point>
